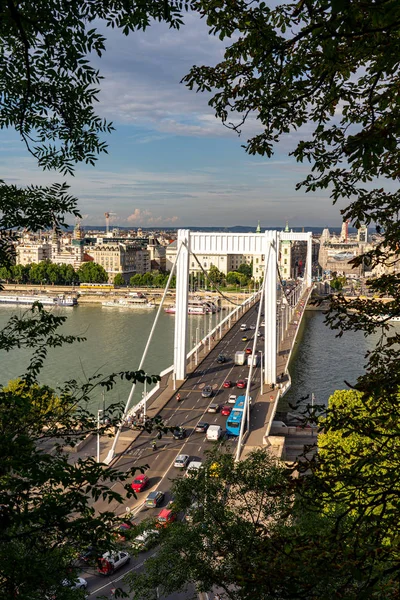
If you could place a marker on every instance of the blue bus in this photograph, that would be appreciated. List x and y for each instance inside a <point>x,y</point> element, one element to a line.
<point>233,422</point>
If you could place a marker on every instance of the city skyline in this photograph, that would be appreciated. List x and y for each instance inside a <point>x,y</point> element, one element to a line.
<point>170,161</point>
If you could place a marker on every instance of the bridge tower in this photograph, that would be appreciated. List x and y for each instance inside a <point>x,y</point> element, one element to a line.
<point>267,245</point>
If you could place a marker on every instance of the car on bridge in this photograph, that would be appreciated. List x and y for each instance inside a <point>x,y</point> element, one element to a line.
<point>248,350</point>
<point>232,399</point>
<point>201,427</point>
<point>207,391</point>
<point>221,358</point>
<point>181,461</point>
<point>241,384</point>
<point>213,408</point>
<point>140,483</point>
<point>154,499</point>
<point>245,338</point>
<point>226,411</point>
<point>227,384</point>
<point>179,433</point>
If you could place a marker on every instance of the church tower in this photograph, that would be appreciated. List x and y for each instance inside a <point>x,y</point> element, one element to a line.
<point>285,256</point>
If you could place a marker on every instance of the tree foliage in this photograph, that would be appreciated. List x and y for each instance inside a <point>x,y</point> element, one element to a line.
<point>322,77</point>
<point>47,500</point>
<point>91,272</point>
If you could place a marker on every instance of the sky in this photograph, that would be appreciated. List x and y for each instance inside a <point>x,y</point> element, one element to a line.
<point>170,161</point>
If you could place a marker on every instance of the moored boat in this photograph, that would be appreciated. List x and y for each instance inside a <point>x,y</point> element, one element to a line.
<point>131,302</point>
<point>45,300</point>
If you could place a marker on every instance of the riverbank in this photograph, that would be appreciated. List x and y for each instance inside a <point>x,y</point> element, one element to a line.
<point>154,295</point>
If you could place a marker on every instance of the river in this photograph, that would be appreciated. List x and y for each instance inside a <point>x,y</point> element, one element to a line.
<point>116,339</point>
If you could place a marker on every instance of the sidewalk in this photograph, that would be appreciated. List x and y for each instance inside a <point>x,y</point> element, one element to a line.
<point>265,403</point>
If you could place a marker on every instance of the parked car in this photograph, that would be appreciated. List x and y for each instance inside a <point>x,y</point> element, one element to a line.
<point>166,516</point>
<point>201,427</point>
<point>122,529</point>
<point>77,584</point>
<point>179,433</point>
<point>213,408</point>
<point>181,461</point>
<point>226,411</point>
<point>232,399</point>
<point>227,384</point>
<point>207,391</point>
<point>140,483</point>
<point>154,499</point>
<point>221,358</point>
<point>89,555</point>
<point>111,561</point>
<point>241,384</point>
<point>145,540</point>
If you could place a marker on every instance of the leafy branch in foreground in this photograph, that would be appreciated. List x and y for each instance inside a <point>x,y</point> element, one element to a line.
<point>52,506</point>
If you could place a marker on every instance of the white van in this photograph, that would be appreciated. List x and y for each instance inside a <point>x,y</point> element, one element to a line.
<point>214,432</point>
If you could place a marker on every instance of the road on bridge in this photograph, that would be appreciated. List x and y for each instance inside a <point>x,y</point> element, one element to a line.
<point>187,413</point>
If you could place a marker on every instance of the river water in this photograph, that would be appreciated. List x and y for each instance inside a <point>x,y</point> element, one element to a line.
<point>116,339</point>
<point>115,342</point>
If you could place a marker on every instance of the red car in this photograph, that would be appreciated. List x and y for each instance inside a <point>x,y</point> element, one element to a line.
<point>248,350</point>
<point>241,384</point>
<point>227,384</point>
<point>140,483</point>
<point>226,411</point>
<point>165,517</point>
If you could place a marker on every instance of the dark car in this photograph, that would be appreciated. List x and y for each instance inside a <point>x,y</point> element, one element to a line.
<point>90,555</point>
<point>179,433</point>
<point>207,391</point>
<point>154,499</point>
<point>201,427</point>
<point>221,358</point>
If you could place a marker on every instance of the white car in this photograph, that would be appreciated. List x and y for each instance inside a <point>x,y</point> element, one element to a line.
<point>232,399</point>
<point>77,584</point>
<point>181,461</point>
<point>145,540</point>
<point>111,561</point>
<point>193,467</point>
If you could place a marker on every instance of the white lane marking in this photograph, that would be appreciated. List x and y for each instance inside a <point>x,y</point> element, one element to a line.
<point>200,447</point>
<point>186,416</point>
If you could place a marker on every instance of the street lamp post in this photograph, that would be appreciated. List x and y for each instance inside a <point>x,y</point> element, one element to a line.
<point>262,374</point>
<point>100,411</point>
<point>144,398</point>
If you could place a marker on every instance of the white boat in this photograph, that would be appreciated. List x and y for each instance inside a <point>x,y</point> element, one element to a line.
<point>45,300</point>
<point>195,307</point>
<point>131,302</point>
